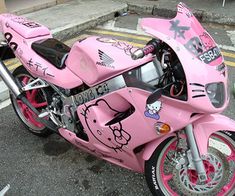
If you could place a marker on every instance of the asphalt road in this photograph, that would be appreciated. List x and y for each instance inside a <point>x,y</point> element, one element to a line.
<point>51,166</point>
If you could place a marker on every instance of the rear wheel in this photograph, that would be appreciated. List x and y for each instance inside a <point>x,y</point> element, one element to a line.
<point>39,98</point>
<point>164,179</point>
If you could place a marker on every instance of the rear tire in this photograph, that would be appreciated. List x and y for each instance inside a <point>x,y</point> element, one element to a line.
<point>39,98</point>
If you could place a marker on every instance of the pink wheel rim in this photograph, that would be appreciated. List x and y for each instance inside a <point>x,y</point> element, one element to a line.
<point>32,97</point>
<point>228,187</point>
<point>192,174</point>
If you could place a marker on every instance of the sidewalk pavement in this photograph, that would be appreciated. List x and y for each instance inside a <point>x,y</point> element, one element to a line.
<point>26,6</point>
<point>204,10</point>
<point>68,19</point>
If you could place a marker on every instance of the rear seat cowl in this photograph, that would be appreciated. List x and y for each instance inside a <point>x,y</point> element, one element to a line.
<point>25,27</point>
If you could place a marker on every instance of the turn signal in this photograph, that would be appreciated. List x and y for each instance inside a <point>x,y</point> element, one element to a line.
<point>162,128</point>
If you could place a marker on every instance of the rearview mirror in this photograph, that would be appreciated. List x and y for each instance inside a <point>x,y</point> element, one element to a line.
<point>154,96</point>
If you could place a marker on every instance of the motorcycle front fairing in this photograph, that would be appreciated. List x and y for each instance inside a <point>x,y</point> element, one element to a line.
<point>198,53</point>
<point>203,64</point>
<point>186,31</point>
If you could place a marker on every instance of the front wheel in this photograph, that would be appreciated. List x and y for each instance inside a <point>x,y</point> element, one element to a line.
<point>39,98</point>
<point>164,178</point>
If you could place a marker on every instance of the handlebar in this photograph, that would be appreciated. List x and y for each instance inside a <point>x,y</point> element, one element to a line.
<point>149,48</point>
<point>140,53</point>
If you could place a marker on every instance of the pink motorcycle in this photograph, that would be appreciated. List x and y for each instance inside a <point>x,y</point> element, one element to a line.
<point>153,110</point>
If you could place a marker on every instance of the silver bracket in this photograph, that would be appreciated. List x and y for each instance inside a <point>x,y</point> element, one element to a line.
<point>196,159</point>
<point>191,164</point>
<point>163,64</point>
<point>50,114</point>
<point>38,83</point>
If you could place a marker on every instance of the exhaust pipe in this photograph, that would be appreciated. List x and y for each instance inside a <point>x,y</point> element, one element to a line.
<point>9,80</point>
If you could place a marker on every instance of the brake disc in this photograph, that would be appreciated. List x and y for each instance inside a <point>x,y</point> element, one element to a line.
<point>217,169</point>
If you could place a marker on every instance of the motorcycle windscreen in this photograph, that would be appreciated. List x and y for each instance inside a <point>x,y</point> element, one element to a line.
<point>186,30</point>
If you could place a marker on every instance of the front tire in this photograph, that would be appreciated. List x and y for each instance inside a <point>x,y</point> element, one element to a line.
<point>39,98</point>
<point>164,179</point>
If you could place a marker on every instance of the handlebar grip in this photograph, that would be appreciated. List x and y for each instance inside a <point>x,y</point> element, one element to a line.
<point>148,49</point>
<point>140,53</point>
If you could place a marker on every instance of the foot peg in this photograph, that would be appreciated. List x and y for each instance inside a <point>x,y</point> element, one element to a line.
<point>44,114</point>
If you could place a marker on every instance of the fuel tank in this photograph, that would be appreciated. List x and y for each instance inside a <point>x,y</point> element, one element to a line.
<point>96,59</point>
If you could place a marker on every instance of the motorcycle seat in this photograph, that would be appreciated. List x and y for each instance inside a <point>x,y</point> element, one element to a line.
<point>52,50</point>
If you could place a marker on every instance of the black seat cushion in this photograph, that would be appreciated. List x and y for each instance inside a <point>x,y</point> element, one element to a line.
<point>52,50</point>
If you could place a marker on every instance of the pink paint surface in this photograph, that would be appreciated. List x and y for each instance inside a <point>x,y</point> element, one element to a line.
<point>106,58</point>
<point>132,140</point>
<point>185,31</point>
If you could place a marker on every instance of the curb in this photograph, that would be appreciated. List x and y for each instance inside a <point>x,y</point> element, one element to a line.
<point>74,29</point>
<point>70,31</point>
<point>36,7</point>
<point>4,92</point>
<point>201,15</point>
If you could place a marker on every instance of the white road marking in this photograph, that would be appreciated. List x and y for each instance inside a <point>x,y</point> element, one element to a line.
<point>5,104</point>
<point>4,191</point>
<point>231,35</point>
<point>110,26</point>
<point>138,27</point>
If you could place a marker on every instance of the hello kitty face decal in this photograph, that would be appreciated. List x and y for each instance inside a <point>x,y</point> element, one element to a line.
<point>113,135</point>
<point>204,48</point>
<point>207,41</point>
<point>152,110</point>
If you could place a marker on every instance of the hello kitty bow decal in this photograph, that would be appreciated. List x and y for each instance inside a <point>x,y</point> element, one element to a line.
<point>152,110</point>
<point>112,136</point>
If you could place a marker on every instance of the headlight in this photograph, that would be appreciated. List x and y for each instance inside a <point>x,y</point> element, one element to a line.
<point>216,93</point>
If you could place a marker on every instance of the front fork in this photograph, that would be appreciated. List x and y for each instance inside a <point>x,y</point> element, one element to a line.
<point>196,158</point>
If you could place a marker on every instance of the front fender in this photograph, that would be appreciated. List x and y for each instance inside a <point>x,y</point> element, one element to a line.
<point>209,124</point>
<point>203,128</point>
<point>151,146</point>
